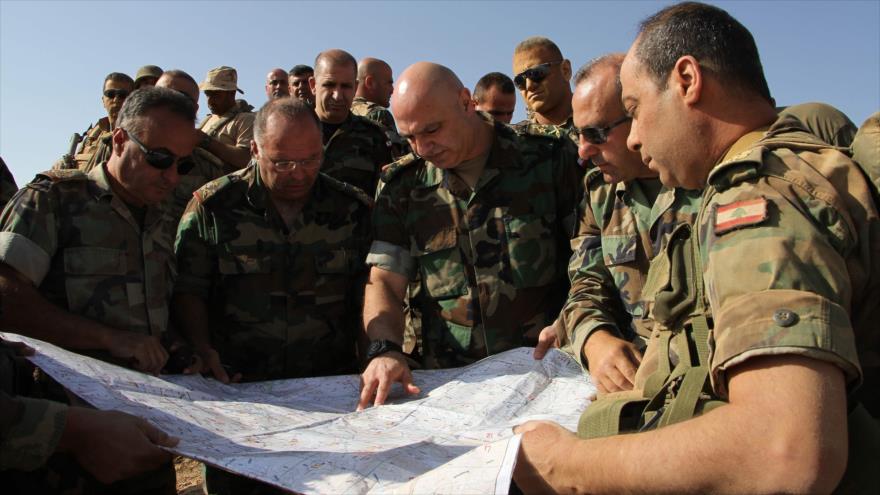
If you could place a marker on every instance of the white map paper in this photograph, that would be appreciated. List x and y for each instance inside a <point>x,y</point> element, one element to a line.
<point>303,435</point>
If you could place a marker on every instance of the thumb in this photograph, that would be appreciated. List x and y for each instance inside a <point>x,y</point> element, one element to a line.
<point>546,339</point>
<point>158,436</point>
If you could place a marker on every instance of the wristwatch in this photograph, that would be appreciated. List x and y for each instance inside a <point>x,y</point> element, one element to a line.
<point>381,346</point>
<point>206,141</point>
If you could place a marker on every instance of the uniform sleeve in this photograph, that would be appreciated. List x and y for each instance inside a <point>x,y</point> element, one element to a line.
<point>8,188</point>
<point>195,249</point>
<point>776,276</point>
<point>244,130</point>
<point>30,430</point>
<point>390,248</point>
<point>592,300</point>
<point>28,232</point>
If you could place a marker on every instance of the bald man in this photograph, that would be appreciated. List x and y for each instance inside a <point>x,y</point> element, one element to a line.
<point>205,165</point>
<point>483,215</point>
<point>355,148</point>
<point>375,85</point>
<point>277,82</point>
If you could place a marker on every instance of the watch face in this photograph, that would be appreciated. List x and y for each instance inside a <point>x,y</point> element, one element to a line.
<point>375,346</point>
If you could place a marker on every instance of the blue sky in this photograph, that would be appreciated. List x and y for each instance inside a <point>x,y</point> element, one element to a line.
<point>54,55</point>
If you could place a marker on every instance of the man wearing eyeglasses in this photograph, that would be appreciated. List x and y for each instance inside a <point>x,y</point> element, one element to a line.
<point>228,130</point>
<point>277,82</point>
<point>277,252</point>
<point>95,146</point>
<point>624,221</point>
<point>542,76</point>
<point>495,95</point>
<point>85,259</point>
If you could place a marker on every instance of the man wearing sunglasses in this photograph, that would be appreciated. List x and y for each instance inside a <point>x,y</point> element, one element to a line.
<point>95,146</point>
<point>85,259</point>
<point>542,76</point>
<point>624,221</point>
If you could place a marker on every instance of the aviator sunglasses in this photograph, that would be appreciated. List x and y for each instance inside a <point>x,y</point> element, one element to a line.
<point>161,158</point>
<point>537,74</point>
<point>599,135</point>
<point>113,93</point>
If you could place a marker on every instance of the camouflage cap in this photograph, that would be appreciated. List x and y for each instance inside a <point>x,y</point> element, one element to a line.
<point>221,78</point>
<point>148,71</point>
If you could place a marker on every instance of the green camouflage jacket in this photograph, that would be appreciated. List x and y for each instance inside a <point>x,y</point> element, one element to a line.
<point>285,302</point>
<point>206,167</point>
<point>70,235</point>
<point>530,126</point>
<point>375,112</point>
<point>621,228</point>
<point>356,153</point>
<point>8,187</point>
<point>30,430</point>
<point>866,148</point>
<point>491,261</point>
<point>788,238</point>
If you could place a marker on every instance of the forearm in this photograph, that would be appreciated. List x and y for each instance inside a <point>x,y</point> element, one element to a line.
<point>383,308</point>
<point>191,318</point>
<point>233,155</point>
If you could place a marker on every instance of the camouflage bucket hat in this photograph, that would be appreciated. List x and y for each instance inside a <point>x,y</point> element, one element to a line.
<point>222,78</point>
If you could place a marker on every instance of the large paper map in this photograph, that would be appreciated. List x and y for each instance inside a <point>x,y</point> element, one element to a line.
<point>303,435</point>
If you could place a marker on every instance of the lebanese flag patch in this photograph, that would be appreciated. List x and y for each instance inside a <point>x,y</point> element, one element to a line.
<point>740,214</point>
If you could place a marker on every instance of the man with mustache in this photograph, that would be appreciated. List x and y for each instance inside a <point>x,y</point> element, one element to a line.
<point>298,86</point>
<point>355,148</point>
<point>276,251</point>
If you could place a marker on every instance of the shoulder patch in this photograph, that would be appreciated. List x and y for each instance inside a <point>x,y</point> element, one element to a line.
<point>348,189</point>
<point>740,214</point>
<point>393,169</point>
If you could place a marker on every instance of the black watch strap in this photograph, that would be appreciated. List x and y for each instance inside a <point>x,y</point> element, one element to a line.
<point>381,346</point>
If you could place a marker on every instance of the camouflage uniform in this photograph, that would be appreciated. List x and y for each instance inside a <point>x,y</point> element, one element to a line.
<point>287,301</point>
<point>823,121</point>
<point>382,116</point>
<point>234,128</point>
<point>622,227</point>
<point>8,187</point>
<point>82,247</point>
<point>866,149</point>
<point>30,430</point>
<point>492,261</point>
<point>356,153</point>
<point>531,126</point>
<point>206,167</point>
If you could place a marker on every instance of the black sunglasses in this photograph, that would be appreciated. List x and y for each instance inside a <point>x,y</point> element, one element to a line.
<point>113,93</point>
<point>599,135</point>
<point>537,74</point>
<point>161,158</point>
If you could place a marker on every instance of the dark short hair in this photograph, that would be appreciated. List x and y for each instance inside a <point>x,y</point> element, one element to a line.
<point>290,107</point>
<point>721,45</point>
<point>490,80</point>
<point>143,100</point>
<point>118,77</point>
<point>300,70</point>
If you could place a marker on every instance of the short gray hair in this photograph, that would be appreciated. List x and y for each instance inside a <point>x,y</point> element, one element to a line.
<point>290,107</point>
<point>146,99</point>
<point>612,61</point>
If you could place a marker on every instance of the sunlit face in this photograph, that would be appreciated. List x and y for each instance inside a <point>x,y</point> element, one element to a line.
<point>596,104</point>
<point>277,85</point>
<point>548,94</point>
<point>660,131</point>
<point>334,86</point>
<point>119,90</point>
<point>436,128</point>
<point>161,130</point>
<point>288,140</point>
<point>299,87</point>
<point>220,102</point>
<point>498,104</point>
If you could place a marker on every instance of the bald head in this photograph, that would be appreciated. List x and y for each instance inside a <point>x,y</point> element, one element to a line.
<point>424,81</point>
<point>277,84</point>
<point>333,58</point>
<point>181,82</point>
<point>375,81</point>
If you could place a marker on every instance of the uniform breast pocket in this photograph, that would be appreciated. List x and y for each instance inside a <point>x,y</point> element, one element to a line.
<point>336,270</point>
<point>441,265</point>
<point>619,249</point>
<point>531,246</point>
<point>247,283</point>
<point>95,280</point>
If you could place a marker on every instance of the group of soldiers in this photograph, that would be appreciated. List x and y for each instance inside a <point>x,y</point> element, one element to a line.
<point>710,259</point>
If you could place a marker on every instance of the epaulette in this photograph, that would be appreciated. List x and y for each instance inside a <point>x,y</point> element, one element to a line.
<point>44,180</point>
<point>394,168</point>
<point>348,189</point>
<point>208,193</point>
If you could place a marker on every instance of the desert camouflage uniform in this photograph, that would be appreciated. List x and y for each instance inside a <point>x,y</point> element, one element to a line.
<point>234,128</point>
<point>82,247</point>
<point>8,187</point>
<point>356,153</point>
<point>621,228</point>
<point>492,261</point>
<point>531,126</point>
<point>866,149</point>
<point>286,302</point>
<point>823,121</point>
